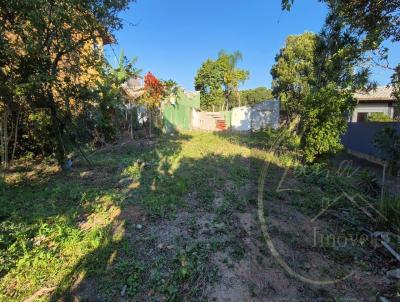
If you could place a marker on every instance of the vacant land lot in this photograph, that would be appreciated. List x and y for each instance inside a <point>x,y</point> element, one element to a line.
<point>175,219</point>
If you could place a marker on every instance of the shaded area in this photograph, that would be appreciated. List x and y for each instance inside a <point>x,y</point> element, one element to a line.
<point>360,137</point>
<point>175,219</point>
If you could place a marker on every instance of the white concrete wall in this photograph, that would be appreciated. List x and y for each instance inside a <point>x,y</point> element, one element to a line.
<point>264,115</point>
<point>241,118</point>
<point>260,116</point>
<point>203,121</point>
<point>391,111</point>
<point>370,108</point>
<point>195,119</point>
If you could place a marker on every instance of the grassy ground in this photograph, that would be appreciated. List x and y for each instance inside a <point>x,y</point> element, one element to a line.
<point>175,219</point>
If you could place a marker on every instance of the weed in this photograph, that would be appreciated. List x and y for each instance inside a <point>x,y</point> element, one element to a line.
<point>369,183</point>
<point>389,207</point>
<point>79,231</point>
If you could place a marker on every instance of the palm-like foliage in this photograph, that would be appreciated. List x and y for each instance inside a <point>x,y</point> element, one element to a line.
<point>233,76</point>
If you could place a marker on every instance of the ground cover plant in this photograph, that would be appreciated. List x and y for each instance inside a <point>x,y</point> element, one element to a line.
<point>174,218</point>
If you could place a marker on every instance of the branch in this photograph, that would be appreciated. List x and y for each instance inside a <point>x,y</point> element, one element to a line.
<point>385,66</point>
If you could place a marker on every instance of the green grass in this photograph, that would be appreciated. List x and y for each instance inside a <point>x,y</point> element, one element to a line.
<point>59,229</point>
<point>389,207</point>
<point>96,230</point>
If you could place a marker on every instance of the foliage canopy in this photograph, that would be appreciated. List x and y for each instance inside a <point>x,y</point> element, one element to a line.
<point>311,94</point>
<point>251,97</point>
<point>349,44</point>
<point>50,57</point>
<point>218,81</point>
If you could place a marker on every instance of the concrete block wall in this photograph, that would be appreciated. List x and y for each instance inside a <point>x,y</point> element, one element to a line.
<point>260,116</point>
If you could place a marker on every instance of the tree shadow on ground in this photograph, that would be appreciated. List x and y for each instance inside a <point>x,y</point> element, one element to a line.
<point>158,225</point>
<point>153,249</point>
<point>182,219</point>
<point>44,212</point>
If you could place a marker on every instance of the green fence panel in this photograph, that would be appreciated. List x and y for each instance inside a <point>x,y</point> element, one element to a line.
<point>177,117</point>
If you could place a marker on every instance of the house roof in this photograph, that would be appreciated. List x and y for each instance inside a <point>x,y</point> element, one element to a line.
<point>133,87</point>
<point>380,94</point>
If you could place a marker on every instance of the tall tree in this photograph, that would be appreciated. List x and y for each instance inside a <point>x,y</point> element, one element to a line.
<point>54,49</point>
<point>218,81</point>
<point>233,75</point>
<point>349,44</point>
<point>358,30</point>
<point>294,73</point>
<point>310,94</point>
<point>155,91</point>
<point>209,81</point>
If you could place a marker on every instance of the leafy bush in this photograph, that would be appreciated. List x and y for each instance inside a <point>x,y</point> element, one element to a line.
<point>388,141</point>
<point>379,117</point>
<point>323,122</point>
<point>389,207</point>
<point>368,183</point>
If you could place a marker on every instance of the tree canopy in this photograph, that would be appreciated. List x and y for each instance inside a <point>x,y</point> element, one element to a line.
<point>254,96</point>
<point>371,20</point>
<point>294,73</point>
<point>348,45</point>
<point>320,106</point>
<point>50,56</point>
<point>356,30</point>
<point>218,81</point>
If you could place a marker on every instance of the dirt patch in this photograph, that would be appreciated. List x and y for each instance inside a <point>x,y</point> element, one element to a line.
<point>246,269</point>
<point>30,173</point>
<point>133,214</point>
<point>232,285</point>
<point>99,176</point>
<point>99,219</point>
<point>258,276</point>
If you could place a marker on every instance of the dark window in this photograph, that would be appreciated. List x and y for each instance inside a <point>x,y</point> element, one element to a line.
<point>362,116</point>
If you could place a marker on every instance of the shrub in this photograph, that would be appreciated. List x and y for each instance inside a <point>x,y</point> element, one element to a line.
<point>389,207</point>
<point>323,121</point>
<point>379,117</point>
<point>368,183</point>
<point>388,141</point>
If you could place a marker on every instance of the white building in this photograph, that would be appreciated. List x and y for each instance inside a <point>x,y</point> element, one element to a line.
<point>257,117</point>
<point>379,100</point>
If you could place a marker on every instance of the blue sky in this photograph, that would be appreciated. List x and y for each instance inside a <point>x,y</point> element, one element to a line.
<point>171,38</point>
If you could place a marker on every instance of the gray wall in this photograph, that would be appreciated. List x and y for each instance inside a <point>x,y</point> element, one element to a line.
<point>257,117</point>
<point>360,137</point>
<point>264,115</point>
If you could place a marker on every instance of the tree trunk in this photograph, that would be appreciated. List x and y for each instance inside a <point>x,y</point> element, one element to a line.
<point>4,138</point>
<point>15,137</point>
<point>150,123</point>
<point>238,97</point>
<point>226,103</point>
<point>131,123</point>
<point>1,142</point>
<point>57,130</point>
